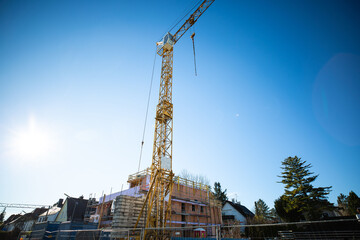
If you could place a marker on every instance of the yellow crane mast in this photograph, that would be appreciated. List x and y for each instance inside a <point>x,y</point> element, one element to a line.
<point>158,198</point>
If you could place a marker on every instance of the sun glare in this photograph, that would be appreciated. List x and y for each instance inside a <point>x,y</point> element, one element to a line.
<point>30,143</point>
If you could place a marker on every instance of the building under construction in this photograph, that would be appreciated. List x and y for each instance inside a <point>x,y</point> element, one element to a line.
<point>192,204</point>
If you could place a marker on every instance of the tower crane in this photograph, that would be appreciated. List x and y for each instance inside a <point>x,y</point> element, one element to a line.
<point>158,198</point>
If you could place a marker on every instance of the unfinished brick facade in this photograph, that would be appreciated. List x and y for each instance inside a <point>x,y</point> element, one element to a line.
<point>192,204</point>
<point>193,207</point>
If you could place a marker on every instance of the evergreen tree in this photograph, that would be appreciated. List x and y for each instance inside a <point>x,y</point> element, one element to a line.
<point>349,204</point>
<point>274,216</point>
<point>353,203</point>
<point>262,211</point>
<point>342,200</point>
<point>301,199</point>
<point>288,215</point>
<point>219,194</point>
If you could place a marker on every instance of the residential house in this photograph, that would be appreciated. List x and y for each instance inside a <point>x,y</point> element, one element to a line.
<point>23,222</point>
<point>235,213</point>
<point>9,223</point>
<point>70,216</point>
<point>51,214</point>
<point>72,210</point>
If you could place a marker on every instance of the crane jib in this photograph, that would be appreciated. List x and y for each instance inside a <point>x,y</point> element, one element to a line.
<point>188,24</point>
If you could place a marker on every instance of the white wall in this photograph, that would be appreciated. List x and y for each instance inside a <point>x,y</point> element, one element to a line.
<point>229,210</point>
<point>48,218</point>
<point>28,225</point>
<point>62,216</point>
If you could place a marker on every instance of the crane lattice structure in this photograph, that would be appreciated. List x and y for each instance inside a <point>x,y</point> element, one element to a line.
<point>19,205</point>
<point>158,198</point>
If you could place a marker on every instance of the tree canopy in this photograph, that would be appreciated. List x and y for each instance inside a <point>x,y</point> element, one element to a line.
<point>219,194</point>
<point>262,212</point>
<point>348,204</point>
<point>301,199</point>
<point>194,177</point>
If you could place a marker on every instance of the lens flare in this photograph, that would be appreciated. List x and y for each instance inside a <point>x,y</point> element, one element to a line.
<point>30,143</point>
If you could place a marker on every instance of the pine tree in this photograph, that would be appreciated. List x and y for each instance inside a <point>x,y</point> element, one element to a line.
<point>353,203</point>
<point>219,194</point>
<point>342,200</point>
<point>349,204</point>
<point>286,214</point>
<point>274,216</point>
<point>262,211</point>
<point>301,199</point>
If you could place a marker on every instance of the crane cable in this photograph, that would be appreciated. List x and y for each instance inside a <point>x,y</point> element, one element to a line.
<point>147,110</point>
<point>177,23</point>
<point>192,37</point>
<point>185,15</point>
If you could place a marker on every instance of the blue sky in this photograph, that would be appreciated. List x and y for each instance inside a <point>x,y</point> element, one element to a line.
<point>275,79</point>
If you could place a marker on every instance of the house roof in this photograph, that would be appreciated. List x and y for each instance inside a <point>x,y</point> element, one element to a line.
<point>31,215</point>
<point>25,217</point>
<point>241,209</point>
<point>39,211</point>
<point>18,218</point>
<point>51,211</point>
<point>12,218</point>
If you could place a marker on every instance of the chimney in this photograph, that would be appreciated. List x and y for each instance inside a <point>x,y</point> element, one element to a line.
<point>60,203</point>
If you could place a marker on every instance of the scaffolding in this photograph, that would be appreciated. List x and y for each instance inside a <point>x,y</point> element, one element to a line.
<point>90,208</point>
<point>193,204</point>
<point>136,178</point>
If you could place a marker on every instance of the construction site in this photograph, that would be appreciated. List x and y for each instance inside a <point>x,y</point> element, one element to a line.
<point>192,205</point>
<point>156,198</point>
<point>159,204</point>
